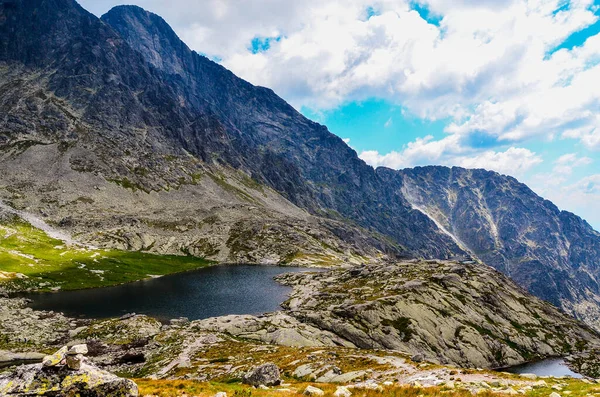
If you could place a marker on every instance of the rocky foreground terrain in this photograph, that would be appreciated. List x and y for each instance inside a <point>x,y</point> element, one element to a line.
<point>386,324</point>
<point>405,344</point>
<point>447,312</point>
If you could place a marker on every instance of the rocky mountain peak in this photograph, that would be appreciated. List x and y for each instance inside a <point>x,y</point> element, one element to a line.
<point>149,34</point>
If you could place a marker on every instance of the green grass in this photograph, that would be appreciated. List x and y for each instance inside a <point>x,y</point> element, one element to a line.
<point>48,264</point>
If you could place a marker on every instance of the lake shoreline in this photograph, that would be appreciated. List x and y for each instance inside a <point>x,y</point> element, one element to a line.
<point>210,291</point>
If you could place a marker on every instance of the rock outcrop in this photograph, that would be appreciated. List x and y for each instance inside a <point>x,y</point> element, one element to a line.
<point>57,376</point>
<point>447,312</point>
<point>553,254</point>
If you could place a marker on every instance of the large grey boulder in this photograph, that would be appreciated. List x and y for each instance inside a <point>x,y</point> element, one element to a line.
<point>61,381</point>
<point>267,375</point>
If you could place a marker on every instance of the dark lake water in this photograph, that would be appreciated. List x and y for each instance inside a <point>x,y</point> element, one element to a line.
<point>208,292</point>
<point>548,367</point>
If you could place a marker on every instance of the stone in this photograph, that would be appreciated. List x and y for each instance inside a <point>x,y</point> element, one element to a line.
<point>539,384</point>
<point>303,370</point>
<point>528,376</point>
<point>78,349</point>
<point>417,358</point>
<point>74,362</point>
<point>89,381</point>
<point>179,322</point>
<point>56,358</point>
<point>369,385</point>
<point>266,374</point>
<point>342,391</point>
<point>313,391</point>
<point>554,394</point>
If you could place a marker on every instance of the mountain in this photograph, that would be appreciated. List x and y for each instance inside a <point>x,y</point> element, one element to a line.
<point>116,132</point>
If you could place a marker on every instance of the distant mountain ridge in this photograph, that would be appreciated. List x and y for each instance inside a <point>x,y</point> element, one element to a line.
<point>551,253</point>
<point>118,132</point>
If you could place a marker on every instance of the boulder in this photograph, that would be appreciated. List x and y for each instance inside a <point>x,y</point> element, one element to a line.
<point>417,358</point>
<point>61,381</point>
<point>529,376</point>
<point>266,374</point>
<point>313,391</point>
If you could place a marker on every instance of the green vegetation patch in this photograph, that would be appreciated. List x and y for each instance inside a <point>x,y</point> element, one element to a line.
<point>31,260</point>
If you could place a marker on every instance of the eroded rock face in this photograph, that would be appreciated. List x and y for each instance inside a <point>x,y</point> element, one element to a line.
<point>88,381</point>
<point>446,312</point>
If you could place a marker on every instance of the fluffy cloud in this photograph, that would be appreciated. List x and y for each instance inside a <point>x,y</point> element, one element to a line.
<point>566,163</point>
<point>513,161</point>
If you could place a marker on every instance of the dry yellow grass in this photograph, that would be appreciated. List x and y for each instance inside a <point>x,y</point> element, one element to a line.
<point>175,388</point>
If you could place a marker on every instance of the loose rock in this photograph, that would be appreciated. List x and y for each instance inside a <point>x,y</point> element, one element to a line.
<point>56,358</point>
<point>89,381</point>
<point>267,375</point>
<point>313,391</point>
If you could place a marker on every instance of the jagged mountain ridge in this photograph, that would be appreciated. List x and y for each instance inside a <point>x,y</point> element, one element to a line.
<point>120,133</point>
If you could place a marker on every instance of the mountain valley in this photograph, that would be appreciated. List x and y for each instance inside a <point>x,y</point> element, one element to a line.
<point>127,155</point>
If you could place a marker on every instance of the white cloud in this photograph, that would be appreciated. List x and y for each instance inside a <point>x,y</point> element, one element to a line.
<point>565,164</point>
<point>426,151</point>
<point>388,123</point>
<point>580,197</point>
<point>346,140</point>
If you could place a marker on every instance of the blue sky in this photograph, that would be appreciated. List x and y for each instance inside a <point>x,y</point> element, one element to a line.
<point>507,85</point>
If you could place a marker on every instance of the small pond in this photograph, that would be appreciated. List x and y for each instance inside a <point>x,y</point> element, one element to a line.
<point>547,367</point>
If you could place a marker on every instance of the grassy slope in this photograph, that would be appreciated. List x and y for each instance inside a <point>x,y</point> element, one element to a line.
<point>48,264</point>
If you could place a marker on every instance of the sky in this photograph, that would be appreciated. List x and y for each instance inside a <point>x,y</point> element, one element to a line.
<point>511,85</point>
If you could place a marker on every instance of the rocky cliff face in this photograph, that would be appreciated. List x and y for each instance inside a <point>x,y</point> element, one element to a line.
<point>552,253</point>
<point>116,131</point>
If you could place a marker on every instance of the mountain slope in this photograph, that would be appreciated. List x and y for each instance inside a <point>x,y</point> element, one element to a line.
<point>117,117</point>
<point>311,167</point>
<point>96,141</point>
<point>116,131</point>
